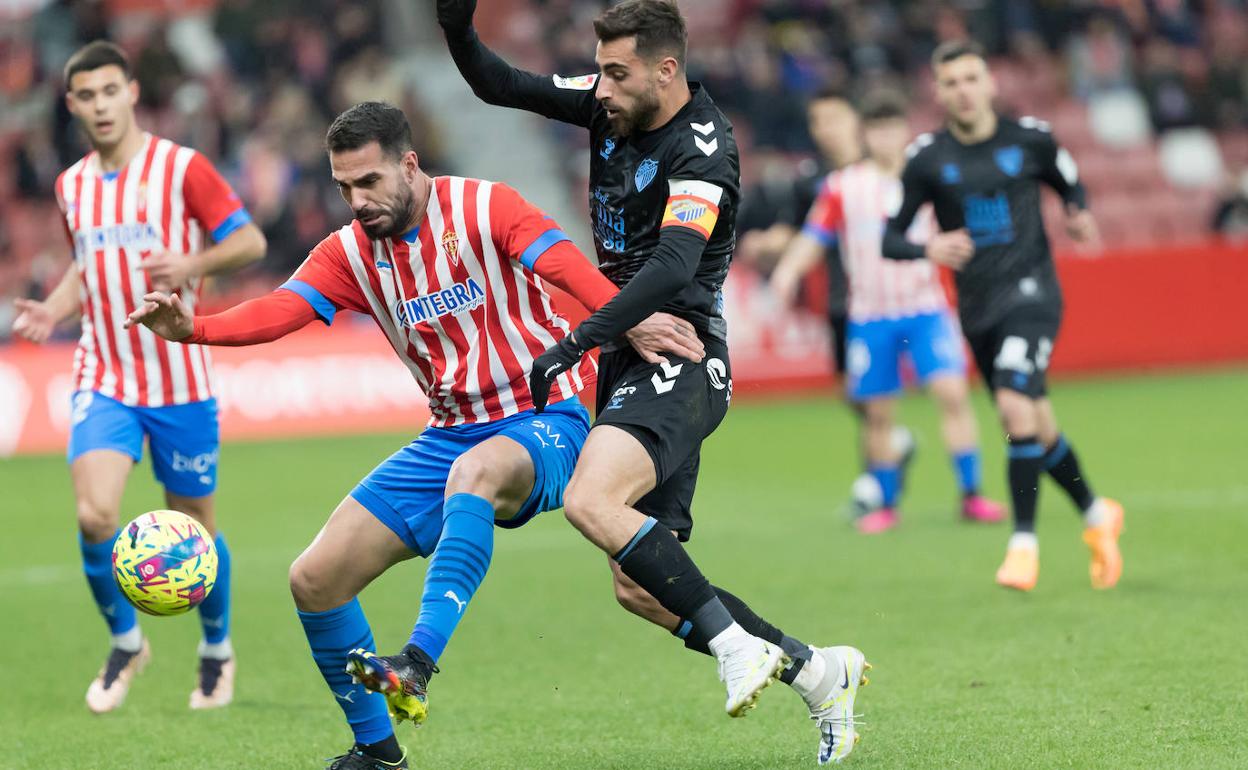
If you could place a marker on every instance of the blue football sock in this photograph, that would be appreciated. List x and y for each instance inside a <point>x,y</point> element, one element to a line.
<point>457,568</point>
<point>214,612</point>
<point>889,479</point>
<point>967,466</point>
<point>97,563</point>
<point>331,635</point>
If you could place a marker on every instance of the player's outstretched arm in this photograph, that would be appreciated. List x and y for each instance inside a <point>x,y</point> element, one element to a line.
<point>496,82</point>
<point>253,322</point>
<point>803,253</point>
<point>36,320</point>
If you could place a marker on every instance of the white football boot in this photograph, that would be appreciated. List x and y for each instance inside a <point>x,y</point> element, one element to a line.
<point>747,665</point>
<point>831,702</point>
<point>109,688</point>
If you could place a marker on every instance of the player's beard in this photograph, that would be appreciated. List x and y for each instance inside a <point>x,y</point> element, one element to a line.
<point>640,116</point>
<point>398,216</point>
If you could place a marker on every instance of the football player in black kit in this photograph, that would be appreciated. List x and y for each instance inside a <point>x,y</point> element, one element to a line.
<point>982,173</point>
<point>664,190</point>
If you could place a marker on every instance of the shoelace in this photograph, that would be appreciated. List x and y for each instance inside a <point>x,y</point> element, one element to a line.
<point>209,674</point>
<point>118,659</point>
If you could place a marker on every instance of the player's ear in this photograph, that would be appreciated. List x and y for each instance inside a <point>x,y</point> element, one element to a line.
<point>133,87</point>
<point>668,69</point>
<point>411,166</point>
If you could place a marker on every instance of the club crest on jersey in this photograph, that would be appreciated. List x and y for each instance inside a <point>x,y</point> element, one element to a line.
<point>463,297</point>
<point>950,173</point>
<point>1009,159</point>
<point>645,173</point>
<point>450,244</point>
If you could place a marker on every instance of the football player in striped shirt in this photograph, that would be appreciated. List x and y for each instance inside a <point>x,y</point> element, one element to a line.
<point>453,273</point>
<point>896,310</point>
<point>141,213</point>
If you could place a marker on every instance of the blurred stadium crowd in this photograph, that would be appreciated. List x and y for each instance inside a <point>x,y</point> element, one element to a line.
<point>1151,96</point>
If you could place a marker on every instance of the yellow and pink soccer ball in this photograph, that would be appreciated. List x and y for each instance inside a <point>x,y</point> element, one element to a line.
<point>164,562</point>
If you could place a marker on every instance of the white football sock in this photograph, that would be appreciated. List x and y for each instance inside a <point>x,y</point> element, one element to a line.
<point>130,641</point>
<point>222,650</point>
<point>1026,540</point>
<point>810,676</point>
<point>1095,515</point>
<point>721,641</point>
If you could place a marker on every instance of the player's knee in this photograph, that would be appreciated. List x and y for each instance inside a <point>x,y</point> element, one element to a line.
<point>96,521</point>
<point>312,589</point>
<point>1018,413</point>
<point>580,506</point>
<point>471,475</point>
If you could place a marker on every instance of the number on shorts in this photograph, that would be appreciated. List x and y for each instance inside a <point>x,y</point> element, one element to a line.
<point>1013,356</point>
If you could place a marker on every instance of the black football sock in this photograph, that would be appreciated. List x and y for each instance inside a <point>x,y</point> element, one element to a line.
<point>1026,463</point>
<point>387,750</point>
<point>655,560</point>
<point>796,649</point>
<point>1062,464</point>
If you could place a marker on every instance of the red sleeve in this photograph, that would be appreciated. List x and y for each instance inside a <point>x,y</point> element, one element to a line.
<point>827,215</point>
<point>263,319</point>
<point>528,235</point>
<point>211,201</point>
<point>58,189</point>
<point>325,280</point>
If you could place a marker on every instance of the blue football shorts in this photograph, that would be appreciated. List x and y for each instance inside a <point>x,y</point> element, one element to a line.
<point>185,438</point>
<point>930,341</point>
<point>406,491</point>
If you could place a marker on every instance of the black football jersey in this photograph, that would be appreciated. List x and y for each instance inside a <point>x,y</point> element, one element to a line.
<point>992,188</point>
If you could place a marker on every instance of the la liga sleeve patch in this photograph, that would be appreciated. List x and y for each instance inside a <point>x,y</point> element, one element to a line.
<point>575,83</point>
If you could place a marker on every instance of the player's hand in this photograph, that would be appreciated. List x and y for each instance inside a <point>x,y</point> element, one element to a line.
<point>952,249</point>
<point>34,321</point>
<point>165,315</point>
<point>557,359</point>
<point>1082,229</point>
<point>663,333</point>
<point>784,284</point>
<point>455,16</point>
<point>167,272</point>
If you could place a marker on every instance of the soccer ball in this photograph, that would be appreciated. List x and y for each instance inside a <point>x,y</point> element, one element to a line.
<point>865,495</point>
<point>164,562</point>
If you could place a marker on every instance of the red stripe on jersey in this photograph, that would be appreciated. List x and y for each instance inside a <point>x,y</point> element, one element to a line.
<point>463,404</point>
<point>127,297</point>
<point>487,319</point>
<point>405,280</point>
<point>114,363</point>
<point>88,303</point>
<point>455,325</point>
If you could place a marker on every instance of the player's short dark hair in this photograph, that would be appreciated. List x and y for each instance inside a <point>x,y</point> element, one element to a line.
<point>955,49</point>
<point>369,122</point>
<point>882,105</point>
<point>831,94</point>
<point>656,24</point>
<point>92,56</point>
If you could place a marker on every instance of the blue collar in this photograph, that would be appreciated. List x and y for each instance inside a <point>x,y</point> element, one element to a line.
<point>411,236</point>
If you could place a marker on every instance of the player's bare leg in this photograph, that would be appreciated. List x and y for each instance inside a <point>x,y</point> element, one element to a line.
<point>214,678</point>
<point>614,472</point>
<point>1102,517</point>
<point>961,435</point>
<point>489,482</point>
<point>99,479</point>
<point>883,463</point>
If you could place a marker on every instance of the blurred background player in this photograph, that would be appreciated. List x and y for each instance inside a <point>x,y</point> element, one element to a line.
<point>982,173</point>
<point>772,216</point>
<point>443,266</point>
<point>665,187</point>
<point>896,311</point>
<point>138,210</point>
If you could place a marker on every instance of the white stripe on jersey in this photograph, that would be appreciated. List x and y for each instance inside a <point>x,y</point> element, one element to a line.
<point>449,358</point>
<point>488,266</point>
<point>879,287</point>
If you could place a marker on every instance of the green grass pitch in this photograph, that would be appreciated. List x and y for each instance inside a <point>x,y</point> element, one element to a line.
<point>547,672</point>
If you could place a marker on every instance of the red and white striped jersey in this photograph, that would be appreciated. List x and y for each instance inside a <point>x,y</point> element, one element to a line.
<point>851,209</point>
<point>167,198</point>
<point>457,298</point>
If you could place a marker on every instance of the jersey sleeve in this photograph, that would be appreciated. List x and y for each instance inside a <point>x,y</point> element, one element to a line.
<point>697,183</point>
<point>827,215</point>
<point>58,191</point>
<point>1057,166</point>
<point>325,282</point>
<point>915,191</point>
<point>528,235</point>
<point>211,201</point>
<point>494,81</point>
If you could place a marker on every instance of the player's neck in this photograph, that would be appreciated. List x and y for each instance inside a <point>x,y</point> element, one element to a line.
<point>676,101</point>
<point>422,190</point>
<point>114,157</point>
<point>980,131</point>
<point>889,166</point>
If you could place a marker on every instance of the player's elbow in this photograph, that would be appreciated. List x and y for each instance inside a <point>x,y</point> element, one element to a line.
<point>254,245</point>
